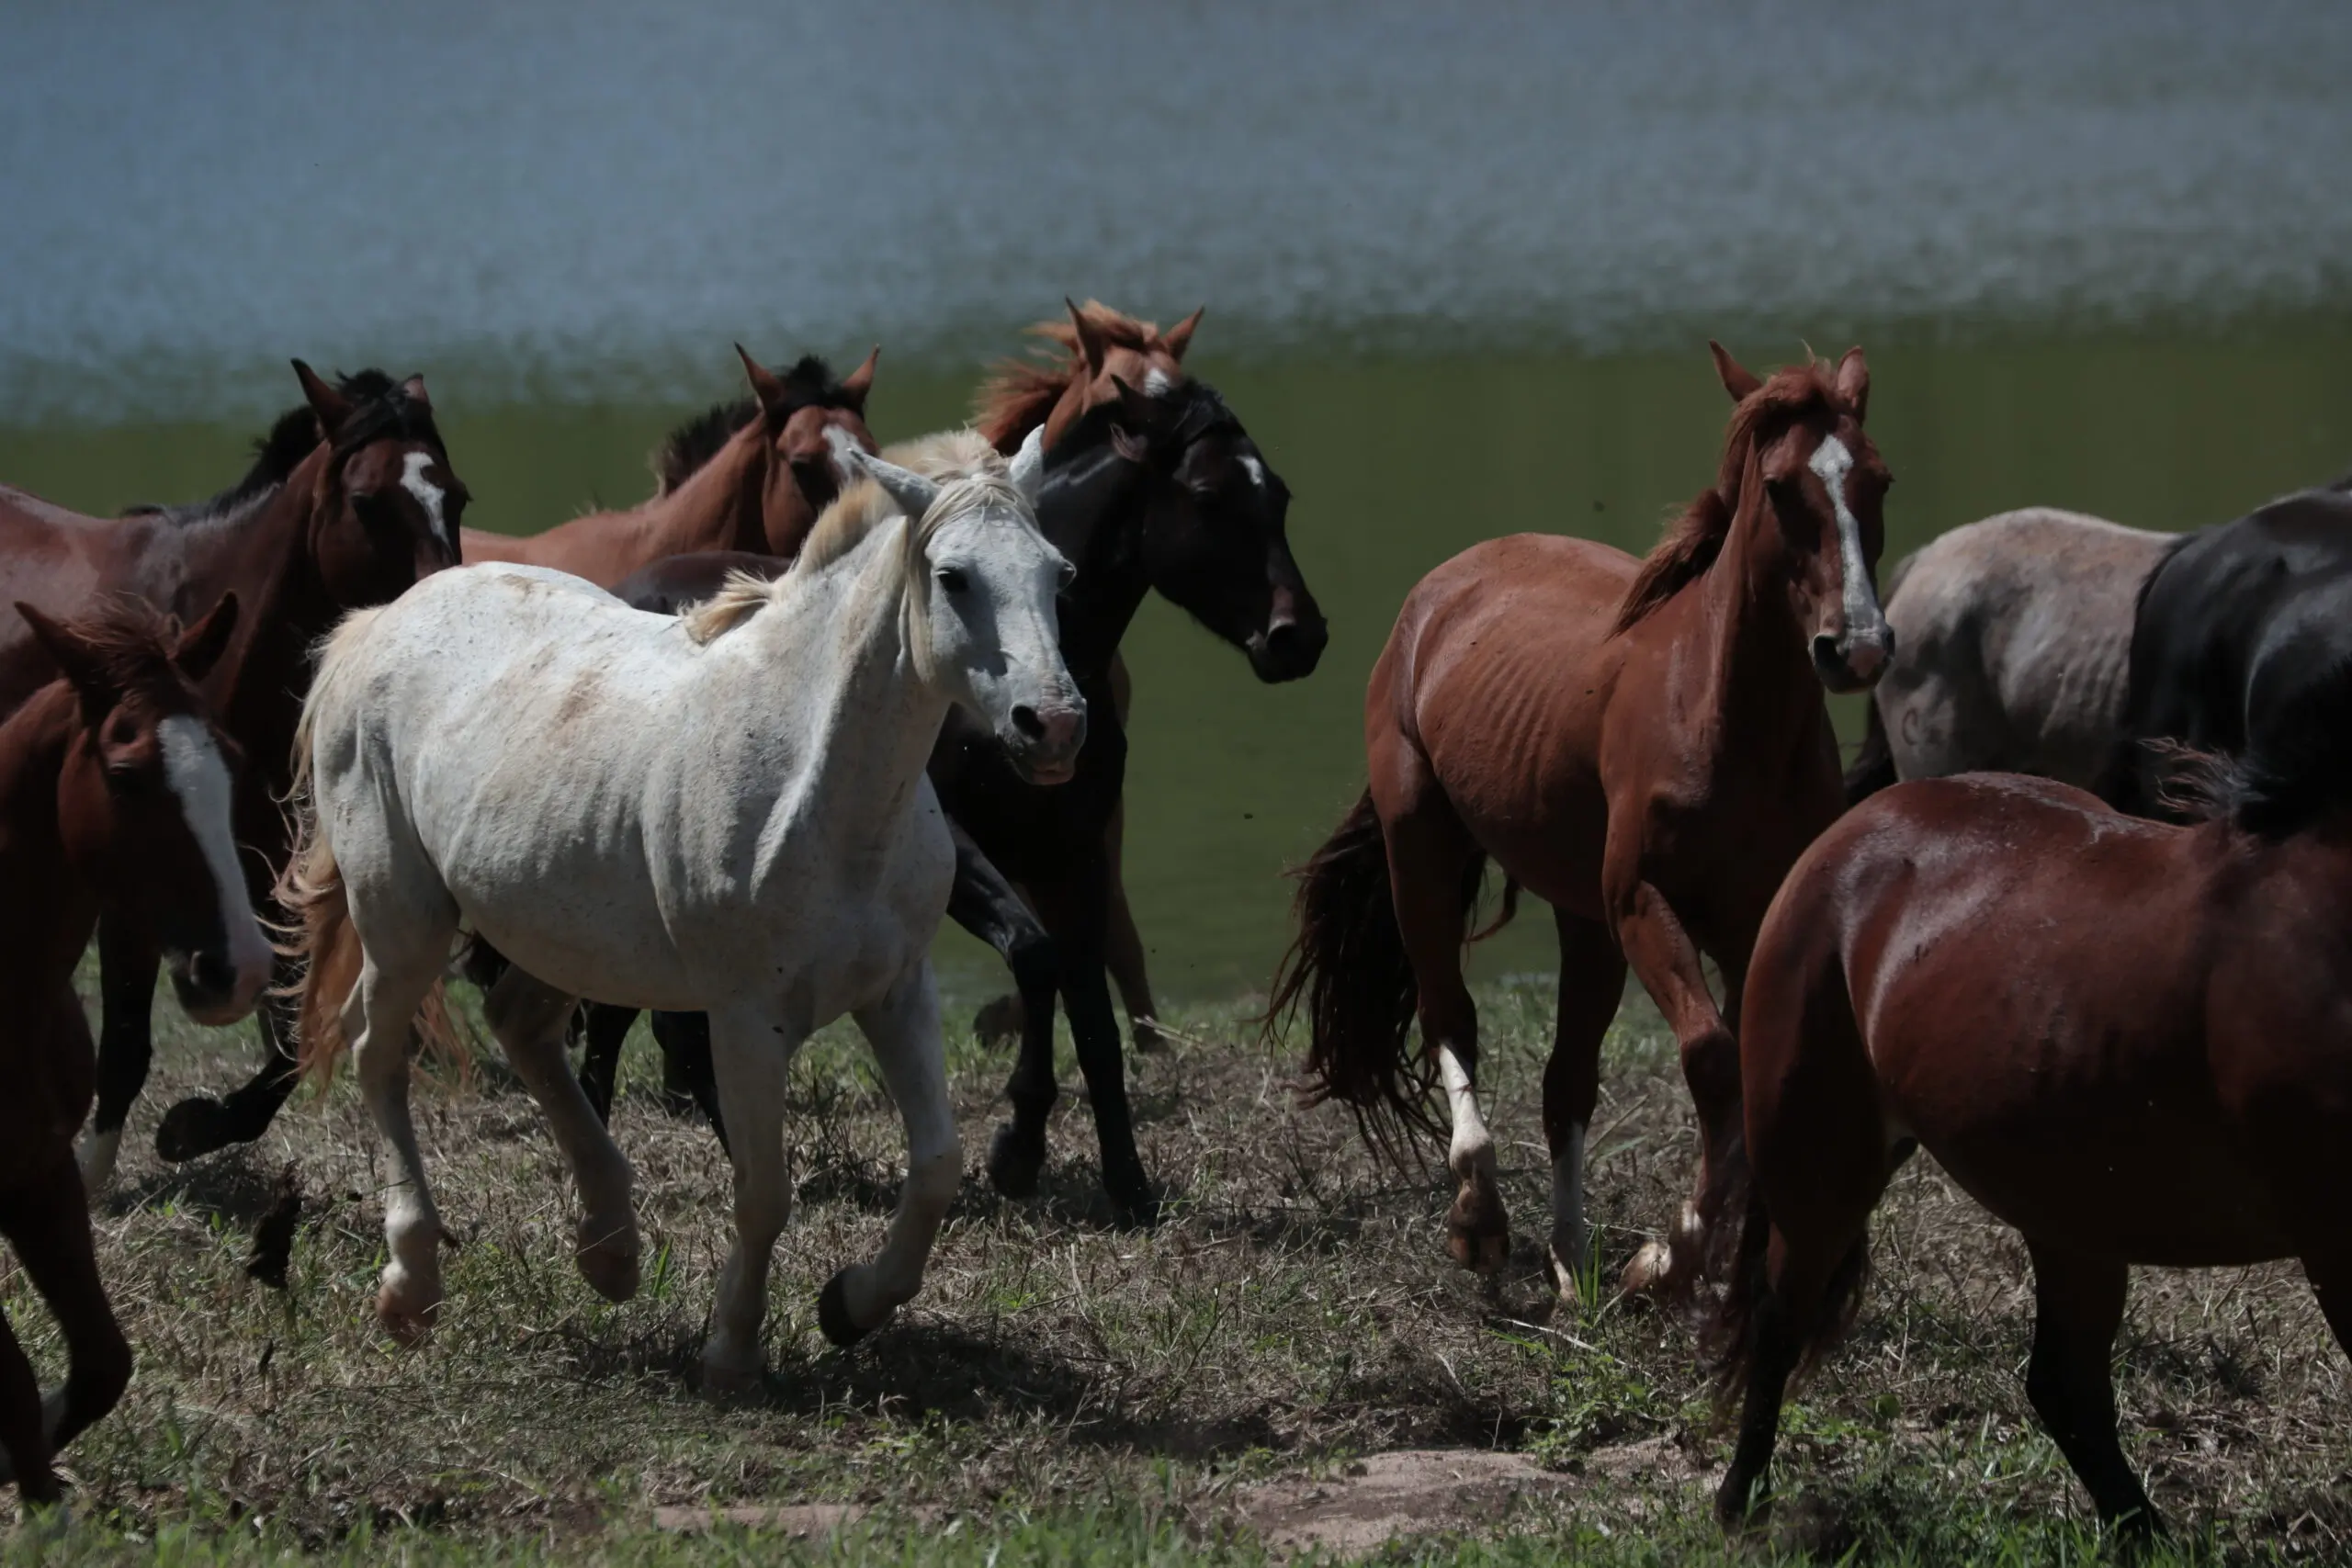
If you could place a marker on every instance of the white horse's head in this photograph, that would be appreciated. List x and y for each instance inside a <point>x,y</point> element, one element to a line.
<point>981,586</point>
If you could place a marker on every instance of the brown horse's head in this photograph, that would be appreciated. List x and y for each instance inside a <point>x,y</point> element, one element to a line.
<point>1098,349</point>
<point>386,505</point>
<point>144,799</point>
<point>796,410</point>
<point>1799,436</point>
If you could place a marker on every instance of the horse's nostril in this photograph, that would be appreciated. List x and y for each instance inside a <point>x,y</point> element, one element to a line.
<point>1825,650</point>
<point>1026,720</point>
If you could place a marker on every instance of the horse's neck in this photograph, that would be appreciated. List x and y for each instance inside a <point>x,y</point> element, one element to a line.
<point>864,720</point>
<point>717,507</point>
<point>1761,691</point>
<point>46,934</point>
<point>1095,519</point>
<point>283,607</point>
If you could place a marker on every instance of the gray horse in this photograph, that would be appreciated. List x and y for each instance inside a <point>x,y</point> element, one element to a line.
<point>2012,651</point>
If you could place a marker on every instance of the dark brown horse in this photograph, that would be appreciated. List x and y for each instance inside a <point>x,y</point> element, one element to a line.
<point>349,501</point>
<point>115,790</point>
<point>2131,1041</point>
<point>1643,745</point>
<point>750,475</point>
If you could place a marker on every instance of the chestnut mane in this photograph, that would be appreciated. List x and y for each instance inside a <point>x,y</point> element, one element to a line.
<point>1020,393</point>
<point>132,643</point>
<point>1694,539</point>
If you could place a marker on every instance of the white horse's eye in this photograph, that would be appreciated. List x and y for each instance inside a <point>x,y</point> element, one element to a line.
<point>953,580</point>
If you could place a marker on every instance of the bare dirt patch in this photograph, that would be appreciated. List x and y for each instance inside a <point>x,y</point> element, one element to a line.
<point>1409,1492</point>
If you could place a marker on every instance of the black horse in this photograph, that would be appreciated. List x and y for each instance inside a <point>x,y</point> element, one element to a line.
<point>2236,627</point>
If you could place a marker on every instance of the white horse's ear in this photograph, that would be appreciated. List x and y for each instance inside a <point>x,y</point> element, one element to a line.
<point>1027,469</point>
<point>913,492</point>
<point>846,450</point>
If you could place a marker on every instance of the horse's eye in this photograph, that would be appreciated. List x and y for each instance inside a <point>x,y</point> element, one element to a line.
<point>128,778</point>
<point>953,580</point>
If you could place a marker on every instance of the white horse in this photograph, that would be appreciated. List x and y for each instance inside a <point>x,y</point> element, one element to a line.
<point>725,813</point>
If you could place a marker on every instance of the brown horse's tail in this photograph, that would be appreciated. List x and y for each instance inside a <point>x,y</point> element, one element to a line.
<point>318,931</point>
<point>1748,1313</point>
<point>1873,769</point>
<point>1347,966</point>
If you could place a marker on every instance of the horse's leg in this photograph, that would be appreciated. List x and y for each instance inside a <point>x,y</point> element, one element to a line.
<point>903,1029</point>
<point>378,1020</point>
<point>1073,906</point>
<point>684,1038</point>
<point>1123,944</point>
<point>600,1062</point>
<point>2078,1307</point>
<point>48,1221</point>
<point>200,1124</point>
<point>752,1053</point>
<point>530,1019</point>
<point>1432,858</point>
<point>1592,982</point>
<point>1662,954</point>
<point>27,1456</point>
<point>984,904</point>
<point>127,966</point>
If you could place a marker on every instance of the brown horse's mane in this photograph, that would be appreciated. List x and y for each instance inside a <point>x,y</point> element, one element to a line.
<point>683,452</point>
<point>132,643</point>
<point>1020,393</point>
<point>380,408</point>
<point>1694,539</point>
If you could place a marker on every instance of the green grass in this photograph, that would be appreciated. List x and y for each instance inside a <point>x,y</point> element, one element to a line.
<point>1067,1392</point>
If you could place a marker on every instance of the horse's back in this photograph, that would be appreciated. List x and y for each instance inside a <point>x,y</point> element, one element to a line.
<point>52,559</point>
<point>2013,639</point>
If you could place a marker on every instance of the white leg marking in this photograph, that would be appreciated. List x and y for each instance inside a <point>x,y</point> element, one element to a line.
<point>97,1157</point>
<point>1831,464</point>
<point>199,781</point>
<point>428,494</point>
<point>1474,1146</point>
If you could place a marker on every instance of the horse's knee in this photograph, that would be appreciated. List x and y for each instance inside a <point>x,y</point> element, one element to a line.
<point>1035,964</point>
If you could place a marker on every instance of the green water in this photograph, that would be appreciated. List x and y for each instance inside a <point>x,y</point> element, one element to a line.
<point>1397,465</point>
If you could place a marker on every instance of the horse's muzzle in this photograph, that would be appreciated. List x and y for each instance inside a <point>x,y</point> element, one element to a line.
<point>1853,663</point>
<point>1288,648</point>
<point>1049,741</point>
<point>212,987</point>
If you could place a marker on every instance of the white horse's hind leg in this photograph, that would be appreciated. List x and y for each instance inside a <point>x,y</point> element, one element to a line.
<point>904,1031</point>
<point>379,1022</point>
<point>529,1018</point>
<point>750,1056</point>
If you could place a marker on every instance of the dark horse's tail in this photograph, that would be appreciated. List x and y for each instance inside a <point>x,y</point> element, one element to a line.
<point>1747,1326</point>
<point>1873,766</point>
<point>1349,968</point>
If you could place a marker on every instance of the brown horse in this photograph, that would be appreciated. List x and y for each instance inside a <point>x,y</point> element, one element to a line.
<point>114,788</point>
<point>350,499</point>
<point>1086,360</point>
<point>750,475</point>
<point>1645,746</point>
<point>2131,1040</point>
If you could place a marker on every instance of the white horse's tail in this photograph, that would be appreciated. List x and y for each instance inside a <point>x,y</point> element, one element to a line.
<point>319,931</point>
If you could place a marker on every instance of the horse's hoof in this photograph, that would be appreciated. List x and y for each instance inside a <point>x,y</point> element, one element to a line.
<point>1136,1210</point>
<point>1478,1231</point>
<point>1480,1254</point>
<point>832,1312</point>
<point>724,1381</point>
<point>1564,1280</point>
<point>1147,1037</point>
<point>609,1262</point>
<point>999,1020</point>
<point>95,1155</point>
<point>404,1324</point>
<point>191,1129</point>
<point>1014,1162</point>
<point>1651,1272</point>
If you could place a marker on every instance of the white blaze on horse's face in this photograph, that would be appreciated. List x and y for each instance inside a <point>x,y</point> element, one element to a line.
<point>200,782</point>
<point>1863,641</point>
<point>995,639</point>
<point>428,494</point>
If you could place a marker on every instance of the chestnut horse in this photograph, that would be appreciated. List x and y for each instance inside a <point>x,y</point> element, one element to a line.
<point>1645,746</point>
<point>750,475</point>
<point>114,789</point>
<point>349,501</point>
<point>2131,1041</point>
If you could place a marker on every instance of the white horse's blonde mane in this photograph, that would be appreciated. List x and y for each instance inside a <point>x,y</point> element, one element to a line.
<point>970,474</point>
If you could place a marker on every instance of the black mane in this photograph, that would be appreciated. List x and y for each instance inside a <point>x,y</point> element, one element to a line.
<point>808,384</point>
<point>378,409</point>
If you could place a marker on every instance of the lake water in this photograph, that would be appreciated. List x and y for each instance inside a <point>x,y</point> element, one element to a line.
<point>1459,270</point>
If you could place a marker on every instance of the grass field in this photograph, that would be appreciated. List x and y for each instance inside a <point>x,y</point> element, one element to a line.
<point>1287,1366</point>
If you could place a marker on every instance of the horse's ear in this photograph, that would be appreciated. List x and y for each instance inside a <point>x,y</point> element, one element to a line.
<point>1027,469</point>
<point>1854,383</point>
<point>75,658</point>
<point>1738,380</point>
<point>414,390</point>
<point>201,646</point>
<point>1179,338</point>
<point>765,385</point>
<point>912,491</point>
<point>845,449</point>
<point>860,381</point>
<point>1091,345</point>
<point>331,406</point>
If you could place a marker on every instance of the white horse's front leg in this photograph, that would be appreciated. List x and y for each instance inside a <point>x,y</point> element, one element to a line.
<point>529,1018</point>
<point>750,1056</point>
<point>903,1029</point>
